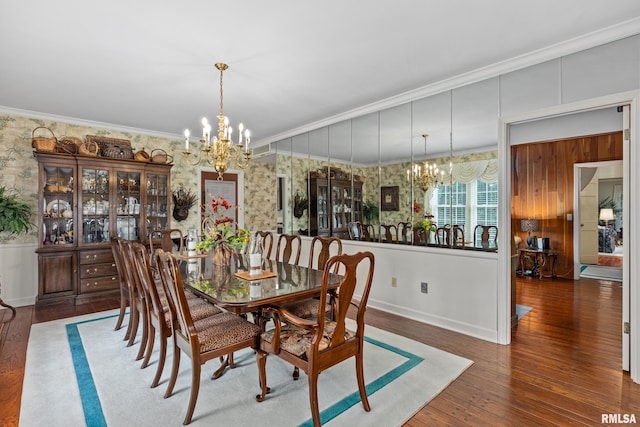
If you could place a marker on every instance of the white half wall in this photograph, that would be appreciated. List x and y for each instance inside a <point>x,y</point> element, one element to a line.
<point>462,285</point>
<point>19,274</point>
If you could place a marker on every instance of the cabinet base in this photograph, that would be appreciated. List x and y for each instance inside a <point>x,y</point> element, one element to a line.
<point>79,299</point>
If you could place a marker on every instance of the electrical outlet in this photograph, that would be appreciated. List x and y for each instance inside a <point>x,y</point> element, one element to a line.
<point>394,282</point>
<point>424,287</point>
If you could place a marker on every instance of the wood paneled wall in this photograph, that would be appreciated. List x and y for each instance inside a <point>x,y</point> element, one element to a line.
<point>542,186</point>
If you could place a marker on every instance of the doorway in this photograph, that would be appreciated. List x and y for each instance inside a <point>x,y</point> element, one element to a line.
<point>598,189</point>
<point>506,140</point>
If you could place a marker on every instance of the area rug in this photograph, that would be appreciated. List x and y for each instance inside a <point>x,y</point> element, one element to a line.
<point>600,272</point>
<point>80,372</point>
<point>522,310</point>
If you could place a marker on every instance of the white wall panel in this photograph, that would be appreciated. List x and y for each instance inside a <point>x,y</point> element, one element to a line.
<point>602,70</point>
<point>19,274</point>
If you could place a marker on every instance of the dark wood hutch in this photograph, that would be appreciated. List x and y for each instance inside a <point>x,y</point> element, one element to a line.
<point>335,200</point>
<point>83,202</point>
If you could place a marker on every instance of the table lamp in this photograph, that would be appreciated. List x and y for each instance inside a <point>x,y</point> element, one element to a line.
<point>607,215</point>
<point>530,225</point>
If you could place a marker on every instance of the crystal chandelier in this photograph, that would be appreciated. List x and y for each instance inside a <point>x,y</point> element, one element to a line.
<point>428,174</point>
<point>217,151</point>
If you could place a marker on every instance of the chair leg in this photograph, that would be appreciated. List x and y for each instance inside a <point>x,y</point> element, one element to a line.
<point>145,332</point>
<point>361,385</point>
<point>174,369</point>
<point>123,308</point>
<point>195,388</point>
<point>261,360</point>
<point>161,359</point>
<point>134,318</point>
<point>131,303</point>
<point>313,397</point>
<point>151,340</point>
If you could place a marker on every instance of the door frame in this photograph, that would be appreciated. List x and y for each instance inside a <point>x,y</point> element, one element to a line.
<point>631,182</point>
<point>576,211</point>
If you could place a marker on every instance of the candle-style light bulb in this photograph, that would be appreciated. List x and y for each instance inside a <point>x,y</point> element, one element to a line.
<point>186,139</point>
<point>207,133</point>
<point>240,131</point>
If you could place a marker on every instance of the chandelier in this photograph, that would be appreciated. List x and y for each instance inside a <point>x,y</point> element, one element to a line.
<point>428,174</point>
<point>220,149</point>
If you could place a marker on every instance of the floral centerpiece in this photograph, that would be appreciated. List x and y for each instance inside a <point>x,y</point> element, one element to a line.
<point>426,223</point>
<point>221,232</point>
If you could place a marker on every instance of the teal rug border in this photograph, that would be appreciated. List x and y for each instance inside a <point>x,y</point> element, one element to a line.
<point>94,417</point>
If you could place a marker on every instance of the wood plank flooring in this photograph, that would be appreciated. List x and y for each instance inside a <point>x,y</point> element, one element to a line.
<point>563,366</point>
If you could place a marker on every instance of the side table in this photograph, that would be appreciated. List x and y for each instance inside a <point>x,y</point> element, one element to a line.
<point>540,258</point>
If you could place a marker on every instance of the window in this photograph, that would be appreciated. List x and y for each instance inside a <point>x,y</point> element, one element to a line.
<point>473,204</point>
<point>446,201</point>
<point>486,203</point>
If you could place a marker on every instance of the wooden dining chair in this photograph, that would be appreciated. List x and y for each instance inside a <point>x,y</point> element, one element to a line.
<point>368,233</point>
<point>403,232</point>
<point>457,237</point>
<point>289,248</point>
<point>203,340</point>
<point>126,292</point>
<point>159,310</point>
<point>167,240</point>
<point>138,307</point>
<point>321,250</point>
<point>443,236</point>
<point>420,236</point>
<point>315,346</point>
<point>390,233</point>
<point>266,239</point>
<point>485,235</point>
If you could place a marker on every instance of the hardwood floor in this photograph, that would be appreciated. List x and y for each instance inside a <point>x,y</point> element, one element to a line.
<point>563,366</point>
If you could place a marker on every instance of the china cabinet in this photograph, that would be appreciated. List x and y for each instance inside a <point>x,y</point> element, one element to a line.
<point>334,202</point>
<point>84,201</point>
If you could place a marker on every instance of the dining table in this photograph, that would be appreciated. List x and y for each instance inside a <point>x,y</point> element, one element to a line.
<point>232,288</point>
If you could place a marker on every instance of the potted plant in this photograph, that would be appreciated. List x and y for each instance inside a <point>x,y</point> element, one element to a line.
<point>370,211</point>
<point>15,214</point>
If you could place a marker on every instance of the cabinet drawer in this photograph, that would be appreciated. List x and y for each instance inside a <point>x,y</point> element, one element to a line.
<point>98,284</point>
<point>97,270</point>
<point>96,257</point>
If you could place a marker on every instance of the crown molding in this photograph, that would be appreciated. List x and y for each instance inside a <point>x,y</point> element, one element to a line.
<point>558,50</point>
<point>87,123</point>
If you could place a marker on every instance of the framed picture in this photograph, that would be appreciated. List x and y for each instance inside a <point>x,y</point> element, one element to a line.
<point>389,197</point>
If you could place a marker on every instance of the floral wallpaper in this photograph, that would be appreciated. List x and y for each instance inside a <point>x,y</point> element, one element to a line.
<point>296,170</point>
<point>20,169</point>
<point>20,174</point>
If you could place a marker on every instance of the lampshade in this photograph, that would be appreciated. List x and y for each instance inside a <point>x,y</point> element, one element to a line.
<point>606,214</point>
<point>529,225</point>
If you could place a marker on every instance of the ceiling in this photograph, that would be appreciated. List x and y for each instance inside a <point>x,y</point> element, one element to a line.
<point>292,64</point>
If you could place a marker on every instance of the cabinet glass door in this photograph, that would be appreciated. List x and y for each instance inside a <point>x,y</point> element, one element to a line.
<point>157,202</point>
<point>128,212</point>
<point>94,205</point>
<point>57,200</point>
<point>357,203</point>
<point>341,205</point>
<point>323,201</point>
